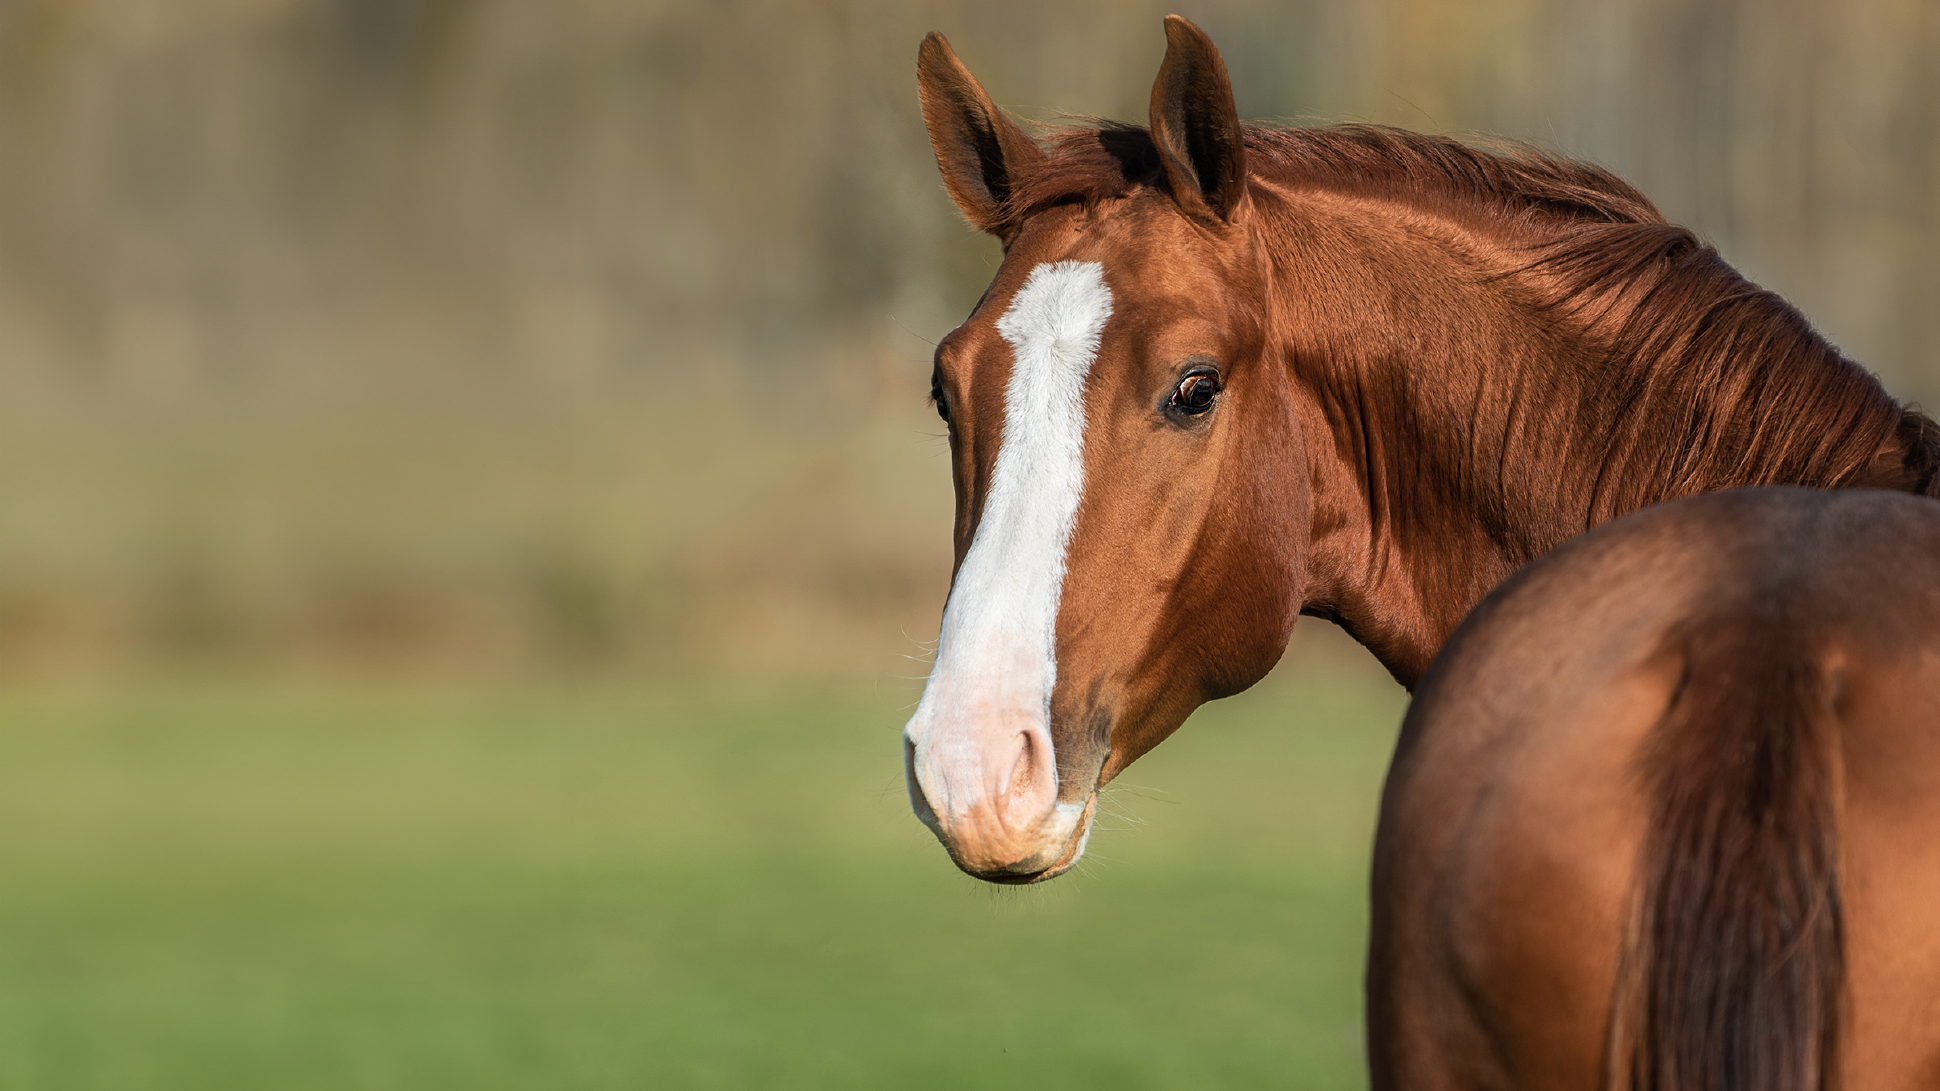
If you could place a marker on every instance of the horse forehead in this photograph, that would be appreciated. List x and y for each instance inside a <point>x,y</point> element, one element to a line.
<point>1025,296</point>
<point>1061,307</point>
<point>1164,283</point>
<point>1142,318</point>
<point>1159,279</point>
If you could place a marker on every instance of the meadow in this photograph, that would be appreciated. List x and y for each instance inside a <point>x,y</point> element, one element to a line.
<point>698,885</point>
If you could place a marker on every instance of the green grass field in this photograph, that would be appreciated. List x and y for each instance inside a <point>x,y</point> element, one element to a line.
<point>217,887</point>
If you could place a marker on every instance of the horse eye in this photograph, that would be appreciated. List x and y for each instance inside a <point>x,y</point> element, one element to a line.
<point>1194,394</point>
<point>942,407</point>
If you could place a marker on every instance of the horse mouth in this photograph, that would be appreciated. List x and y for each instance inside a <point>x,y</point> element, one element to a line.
<point>1074,850</point>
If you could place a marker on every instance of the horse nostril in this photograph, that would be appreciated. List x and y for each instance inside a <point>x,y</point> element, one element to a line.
<point>1023,772</point>
<point>918,802</point>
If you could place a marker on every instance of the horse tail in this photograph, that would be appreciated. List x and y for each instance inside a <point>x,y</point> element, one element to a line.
<point>1734,971</point>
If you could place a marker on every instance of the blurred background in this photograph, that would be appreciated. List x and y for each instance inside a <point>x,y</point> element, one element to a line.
<point>468,516</point>
<point>466,337</point>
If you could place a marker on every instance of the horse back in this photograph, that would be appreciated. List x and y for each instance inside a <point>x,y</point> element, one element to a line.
<point>1695,749</point>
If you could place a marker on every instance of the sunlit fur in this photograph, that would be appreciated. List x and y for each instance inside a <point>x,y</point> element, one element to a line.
<point>1439,363</point>
<point>1665,812</point>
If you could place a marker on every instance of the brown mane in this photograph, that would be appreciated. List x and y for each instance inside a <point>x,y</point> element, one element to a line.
<point>1682,376</point>
<point>1090,163</point>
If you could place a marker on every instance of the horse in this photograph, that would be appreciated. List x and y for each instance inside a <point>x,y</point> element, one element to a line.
<point>1665,812</point>
<point>1228,375</point>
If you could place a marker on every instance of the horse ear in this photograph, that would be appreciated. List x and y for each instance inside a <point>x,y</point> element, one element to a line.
<point>980,150</point>
<point>1196,126</point>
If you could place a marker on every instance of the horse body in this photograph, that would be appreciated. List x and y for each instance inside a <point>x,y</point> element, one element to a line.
<point>1226,376</point>
<point>1425,365</point>
<point>1669,803</point>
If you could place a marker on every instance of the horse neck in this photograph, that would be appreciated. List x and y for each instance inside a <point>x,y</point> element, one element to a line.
<point>1473,411</point>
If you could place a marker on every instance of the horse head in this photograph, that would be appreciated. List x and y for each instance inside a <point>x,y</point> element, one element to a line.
<point>1131,515</point>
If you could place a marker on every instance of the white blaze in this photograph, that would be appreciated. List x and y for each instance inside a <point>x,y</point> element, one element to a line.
<point>996,657</point>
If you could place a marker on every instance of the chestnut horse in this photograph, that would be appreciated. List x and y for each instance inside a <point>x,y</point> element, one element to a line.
<point>1228,375</point>
<point>1665,813</point>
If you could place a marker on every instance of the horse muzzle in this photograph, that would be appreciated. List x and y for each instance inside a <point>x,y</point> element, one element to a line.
<point>995,807</point>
